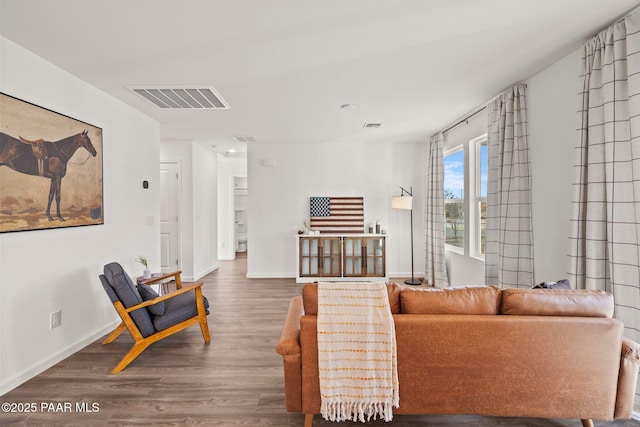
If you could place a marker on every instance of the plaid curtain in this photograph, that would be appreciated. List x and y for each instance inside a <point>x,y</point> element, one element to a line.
<point>435,269</point>
<point>509,241</point>
<point>605,228</point>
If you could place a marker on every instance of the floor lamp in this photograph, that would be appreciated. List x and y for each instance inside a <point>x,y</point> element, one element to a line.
<point>406,202</point>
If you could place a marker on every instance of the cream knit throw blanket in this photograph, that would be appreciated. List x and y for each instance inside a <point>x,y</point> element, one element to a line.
<point>356,352</point>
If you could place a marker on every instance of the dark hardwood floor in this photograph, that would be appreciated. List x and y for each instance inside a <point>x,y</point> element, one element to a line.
<point>234,381</point>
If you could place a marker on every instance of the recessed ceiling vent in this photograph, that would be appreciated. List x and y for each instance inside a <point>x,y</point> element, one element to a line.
<point>182,97</point>
<point>245,139</point>
<point>372,125</point>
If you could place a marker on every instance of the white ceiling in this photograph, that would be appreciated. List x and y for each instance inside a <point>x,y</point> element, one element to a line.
<point>286,66</point>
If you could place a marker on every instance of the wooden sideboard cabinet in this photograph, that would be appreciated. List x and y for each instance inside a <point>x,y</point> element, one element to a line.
<point>341,257</point>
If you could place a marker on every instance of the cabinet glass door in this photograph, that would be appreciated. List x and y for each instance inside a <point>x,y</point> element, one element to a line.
<point>320,256</point>
<point>309,256</point>
<point>353,260</point>
<point>331,261</point>
<point>375,257</point>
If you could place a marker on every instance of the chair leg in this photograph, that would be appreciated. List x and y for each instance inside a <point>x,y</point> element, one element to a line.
<point>204,327</point>
<point>587,423</point>
<point>308,420</point>
<point>135,351</point>
<point>202,315</point>
<point>114,334</point>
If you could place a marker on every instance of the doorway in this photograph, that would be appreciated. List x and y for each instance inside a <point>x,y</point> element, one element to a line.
<point>170,255</point>
<point>240,198</point>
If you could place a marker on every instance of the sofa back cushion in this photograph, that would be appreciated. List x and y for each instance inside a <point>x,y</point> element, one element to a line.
<point>310,298</point>
<point>463,300</point>
<point>556,302</point>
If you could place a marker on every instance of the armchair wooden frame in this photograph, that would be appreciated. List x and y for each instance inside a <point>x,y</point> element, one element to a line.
<point>141,343</point>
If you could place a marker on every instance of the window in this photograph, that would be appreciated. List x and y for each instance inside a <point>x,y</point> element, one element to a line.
<point>482,156</point>
<point>465,173</point>
<point>454,198</point>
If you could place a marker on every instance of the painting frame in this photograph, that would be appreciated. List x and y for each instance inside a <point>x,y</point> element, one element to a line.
<point>51,169</point>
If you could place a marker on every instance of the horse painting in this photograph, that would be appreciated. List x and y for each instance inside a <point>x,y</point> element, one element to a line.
<point>43,158</point>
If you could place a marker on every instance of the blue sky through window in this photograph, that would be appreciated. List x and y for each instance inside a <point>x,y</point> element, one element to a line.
<point>484,166</point>
<point>454,174</point>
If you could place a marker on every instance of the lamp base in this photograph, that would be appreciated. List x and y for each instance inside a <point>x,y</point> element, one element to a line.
<point>413,281</point>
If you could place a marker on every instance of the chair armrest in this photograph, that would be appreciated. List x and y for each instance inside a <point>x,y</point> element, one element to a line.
<point>289,342</point>
<point>177,276</point>
<point>164,297</point>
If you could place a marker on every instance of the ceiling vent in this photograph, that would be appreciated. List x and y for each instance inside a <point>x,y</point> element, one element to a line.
<point>182,97</point>
<point>372,125</point>
<point>245,139</point>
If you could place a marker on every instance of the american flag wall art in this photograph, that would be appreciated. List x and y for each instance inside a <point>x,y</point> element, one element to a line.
<point>339,215</point>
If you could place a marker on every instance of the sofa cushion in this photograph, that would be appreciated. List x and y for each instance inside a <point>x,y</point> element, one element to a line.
<point>148,293</point>
<point>556,302</point>
<point>310,298</point>
<point>462,300</point>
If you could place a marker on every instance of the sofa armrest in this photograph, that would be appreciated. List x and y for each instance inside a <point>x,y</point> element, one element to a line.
<point>627,379</point>
<point>289,347</point>
<point>289,342</point>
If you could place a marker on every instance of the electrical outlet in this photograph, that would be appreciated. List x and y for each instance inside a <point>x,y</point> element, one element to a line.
<point>55,319</point>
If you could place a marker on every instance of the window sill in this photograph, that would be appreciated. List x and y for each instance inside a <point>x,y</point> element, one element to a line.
<point>456,249</point>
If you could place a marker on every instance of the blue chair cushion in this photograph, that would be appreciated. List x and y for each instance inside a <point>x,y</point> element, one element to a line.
<point>178,309</point>
<point>147,293</point>
<point>129,296</point>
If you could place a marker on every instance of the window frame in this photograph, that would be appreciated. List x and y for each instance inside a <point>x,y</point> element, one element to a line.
<point>475,145</point>
<point>472,199</point>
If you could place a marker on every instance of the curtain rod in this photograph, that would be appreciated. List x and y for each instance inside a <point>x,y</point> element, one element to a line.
<point>464,120</point>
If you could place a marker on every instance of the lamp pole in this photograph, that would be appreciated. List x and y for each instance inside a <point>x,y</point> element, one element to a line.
<point>413,280</point>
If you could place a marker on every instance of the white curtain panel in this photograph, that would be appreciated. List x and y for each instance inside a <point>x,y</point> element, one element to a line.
<point>509,235</point>
<point>605,227</point>
<point>435,265</point>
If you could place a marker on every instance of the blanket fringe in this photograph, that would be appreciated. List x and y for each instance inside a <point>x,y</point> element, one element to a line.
<point>357,411</point>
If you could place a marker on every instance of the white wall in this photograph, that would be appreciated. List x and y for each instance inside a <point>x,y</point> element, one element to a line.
<point>279,197</point>
<point>48,270</point>
<point>205,211</point>
<point>228,167</point>
<point>551,99</point>
<point>198,206</point>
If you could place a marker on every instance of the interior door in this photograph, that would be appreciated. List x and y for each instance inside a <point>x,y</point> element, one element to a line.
<point>169,217</point>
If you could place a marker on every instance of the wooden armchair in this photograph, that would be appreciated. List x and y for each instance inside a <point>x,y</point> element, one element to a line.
<point>149,317</point>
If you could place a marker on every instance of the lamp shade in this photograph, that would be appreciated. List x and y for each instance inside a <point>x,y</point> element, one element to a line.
<point>402,202</point>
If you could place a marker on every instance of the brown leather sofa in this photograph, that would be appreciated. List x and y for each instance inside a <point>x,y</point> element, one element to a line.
<point>480,350</point>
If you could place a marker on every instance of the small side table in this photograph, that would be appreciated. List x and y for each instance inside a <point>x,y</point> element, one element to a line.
<point>155,279</point>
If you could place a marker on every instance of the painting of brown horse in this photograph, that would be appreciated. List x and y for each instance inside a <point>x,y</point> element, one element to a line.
<point>50,169</point>
<point>42,158</point>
